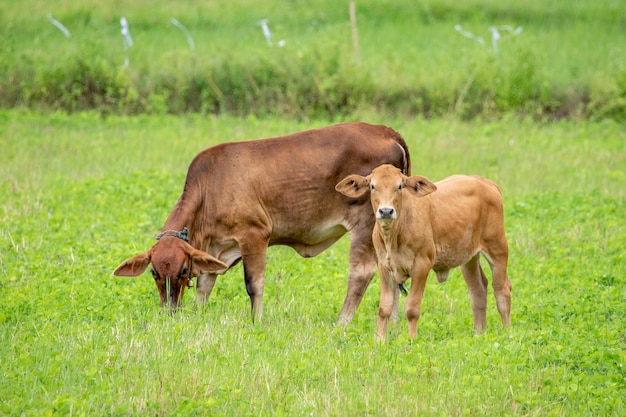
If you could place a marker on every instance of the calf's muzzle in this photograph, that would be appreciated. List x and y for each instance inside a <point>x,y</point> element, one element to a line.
<point>386,213</point>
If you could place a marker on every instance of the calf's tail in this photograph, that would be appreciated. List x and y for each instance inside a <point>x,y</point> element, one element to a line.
<point>402,289</point>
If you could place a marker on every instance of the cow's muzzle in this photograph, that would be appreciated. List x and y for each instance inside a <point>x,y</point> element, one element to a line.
<point>173,294</point>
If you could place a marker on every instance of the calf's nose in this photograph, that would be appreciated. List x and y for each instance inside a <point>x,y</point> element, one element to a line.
<point>386,213</point>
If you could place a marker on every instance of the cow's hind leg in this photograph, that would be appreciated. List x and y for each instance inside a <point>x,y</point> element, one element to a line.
<point>477,287</point>
<point>362,269</point>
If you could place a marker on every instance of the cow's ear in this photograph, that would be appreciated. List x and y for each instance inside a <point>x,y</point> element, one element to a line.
<point>207,263</point>
<point>134,266</point>
<point>353,186</point>
<point>421,186</point>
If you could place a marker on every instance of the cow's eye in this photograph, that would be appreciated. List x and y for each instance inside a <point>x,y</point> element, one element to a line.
<point>372,188</point>
<point>400,187</point>
<point>154,274</point>
<point>184,272</point>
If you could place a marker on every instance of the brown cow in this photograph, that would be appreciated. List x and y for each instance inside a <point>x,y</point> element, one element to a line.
<point>239,198</point>
<point>416,232</point>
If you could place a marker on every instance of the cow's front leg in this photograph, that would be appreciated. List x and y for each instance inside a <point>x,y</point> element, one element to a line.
<point>204,287</point>
<point>254,274</point>
<point>362,270</point>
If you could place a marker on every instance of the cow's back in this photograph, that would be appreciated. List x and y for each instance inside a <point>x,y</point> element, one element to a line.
<point>285,185</point>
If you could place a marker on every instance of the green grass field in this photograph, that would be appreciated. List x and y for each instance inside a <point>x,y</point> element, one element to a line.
<point>93,156</point>
<point>81,193</point>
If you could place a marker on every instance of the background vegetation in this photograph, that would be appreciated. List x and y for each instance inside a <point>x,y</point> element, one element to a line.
<point>569,60</point>
<point>81,193</point>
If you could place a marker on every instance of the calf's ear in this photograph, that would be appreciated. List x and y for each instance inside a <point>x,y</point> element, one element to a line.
<point>353,186</point>
<point>134,266</point>
<point>207,263</point>
<point>421,186</point>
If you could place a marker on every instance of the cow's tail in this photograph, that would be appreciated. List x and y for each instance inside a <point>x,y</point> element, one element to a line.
<point>406,169</point>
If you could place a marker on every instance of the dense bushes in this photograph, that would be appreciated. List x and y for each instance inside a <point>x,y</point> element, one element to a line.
<point>316,74</point>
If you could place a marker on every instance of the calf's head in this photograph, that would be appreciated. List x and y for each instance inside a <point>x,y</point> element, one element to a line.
<point>174,263</point>
<point>386,184</point>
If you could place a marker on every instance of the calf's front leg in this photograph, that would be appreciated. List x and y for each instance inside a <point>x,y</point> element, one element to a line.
<point>388,301</point>
<point>413,303</point>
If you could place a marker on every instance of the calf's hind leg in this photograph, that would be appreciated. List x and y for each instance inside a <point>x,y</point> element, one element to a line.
<point>477,287</point>
<point>502,291</point>
<point>498,255</point>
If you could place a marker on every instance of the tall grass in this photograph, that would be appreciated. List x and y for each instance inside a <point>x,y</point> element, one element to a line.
<point>567,62</point>
<point>80,193</point>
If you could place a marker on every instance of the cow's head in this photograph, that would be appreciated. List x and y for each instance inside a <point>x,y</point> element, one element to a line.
<point>385,184</point>
<point>174,263</point>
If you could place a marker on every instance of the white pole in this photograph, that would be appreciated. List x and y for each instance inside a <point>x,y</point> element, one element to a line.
<point>59,25</point>
<point>266,31</point>
<point>355,33</point>
<point>183,29</point>
<point>128,40</point>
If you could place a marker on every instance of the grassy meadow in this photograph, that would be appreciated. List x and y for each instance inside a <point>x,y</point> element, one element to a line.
<point>80,193</point>
<point>94,152</point>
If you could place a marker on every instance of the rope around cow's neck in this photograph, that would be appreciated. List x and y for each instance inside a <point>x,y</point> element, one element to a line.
<point>183,234</point>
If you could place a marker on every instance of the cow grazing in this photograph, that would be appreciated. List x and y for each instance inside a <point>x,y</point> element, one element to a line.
<point>239,198</point>
<point>417,231</point>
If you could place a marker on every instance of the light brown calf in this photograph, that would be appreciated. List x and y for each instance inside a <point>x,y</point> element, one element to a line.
<point>417,231</point>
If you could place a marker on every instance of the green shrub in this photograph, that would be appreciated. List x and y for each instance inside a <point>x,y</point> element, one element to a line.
<point>567,62</point>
